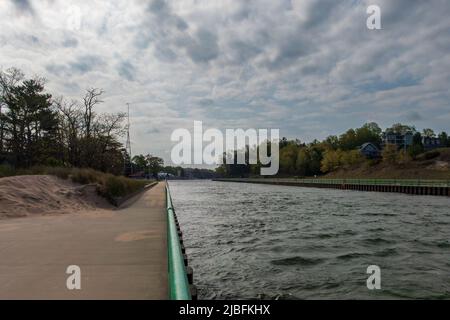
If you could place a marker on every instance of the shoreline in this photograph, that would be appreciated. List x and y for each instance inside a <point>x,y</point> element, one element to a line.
<point>412,187</point>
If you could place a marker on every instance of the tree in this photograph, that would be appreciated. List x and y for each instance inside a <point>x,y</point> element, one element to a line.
<point>352,158</point>
<point>331,142</point>
<point>373,127</point>
<point>154,164</point>
<point>303,162</point>
<point>429,133</point>
<point>70,118</point>
<point>30,123</point>
<point>36,129</point>
<point>353,138</point>
<point>331,160</point>
<point>141,162</point>
<point>8,80</point>
<point>90,100</point>
<point>445,141</point>
<point>417,147</point>
<point>309,160</point>
<point>399,128</point>
<point>288,157</point>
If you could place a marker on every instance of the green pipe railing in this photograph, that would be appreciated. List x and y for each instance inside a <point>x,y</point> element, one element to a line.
<point>178,281</point>
<point>392,182</point>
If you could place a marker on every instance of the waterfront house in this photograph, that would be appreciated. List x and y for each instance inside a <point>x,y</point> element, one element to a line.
<point>369,150</point>
<point>401,140</point>
<point>430,143</point>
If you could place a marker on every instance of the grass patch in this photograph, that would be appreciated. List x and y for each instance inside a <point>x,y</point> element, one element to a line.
<point>6,170</point>
<point>109,186</point>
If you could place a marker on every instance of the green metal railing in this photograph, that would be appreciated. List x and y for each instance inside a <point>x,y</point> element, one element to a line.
<point>178,281</point>
<point>390,182</point>
<point>385,182</point>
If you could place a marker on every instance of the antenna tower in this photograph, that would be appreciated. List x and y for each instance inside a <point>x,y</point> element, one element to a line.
<point>128,143</point>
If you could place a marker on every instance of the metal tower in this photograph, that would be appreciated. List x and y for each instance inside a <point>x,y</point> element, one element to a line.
<point>128,143</point>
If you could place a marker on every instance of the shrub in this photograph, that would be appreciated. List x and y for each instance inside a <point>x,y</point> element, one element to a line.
<point>85,176</point>
<point>60,172</point>
<point>52,162</point>
<point>432,154</point>
<point>403,158</point>
<point>115,187</point>
<point>6,170</point>
<point>109,186</point>
<point>390,153</point>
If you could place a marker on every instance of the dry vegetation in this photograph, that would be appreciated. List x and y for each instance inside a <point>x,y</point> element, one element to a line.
<point>429,165</point>
<point>107,185</point>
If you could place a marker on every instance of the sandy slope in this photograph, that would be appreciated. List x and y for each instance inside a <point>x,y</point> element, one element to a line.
<point>122,253</point>
<point>22,196</point>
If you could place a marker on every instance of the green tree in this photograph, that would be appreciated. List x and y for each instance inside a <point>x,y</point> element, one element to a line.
<point>399,128</point>
<point>141,162</point>
<point>429,133</point>
<point>445,142</point>
<point>352,158</point>
<point>303,162</point>
<point>288,158</point>
<point>332,160</point>
<point>31,123</point>
<point>353,138</point>
<point>155,165</point>
<point>417,147</point>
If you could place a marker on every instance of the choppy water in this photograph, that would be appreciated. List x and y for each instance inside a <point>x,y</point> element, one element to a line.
<point>249,241</point>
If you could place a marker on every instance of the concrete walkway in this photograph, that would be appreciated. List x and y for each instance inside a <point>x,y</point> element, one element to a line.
<point>122,253</point>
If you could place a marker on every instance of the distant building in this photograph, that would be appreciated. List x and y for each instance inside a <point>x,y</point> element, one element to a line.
<point>369,150</point>
<point>398,139</point>
<point>165,175</point>
<point>431,143</point>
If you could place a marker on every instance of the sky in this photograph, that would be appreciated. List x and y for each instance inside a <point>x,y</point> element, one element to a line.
<point>309,68</point>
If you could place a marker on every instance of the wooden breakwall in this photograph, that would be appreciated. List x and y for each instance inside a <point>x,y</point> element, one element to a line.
<point>427,190</point>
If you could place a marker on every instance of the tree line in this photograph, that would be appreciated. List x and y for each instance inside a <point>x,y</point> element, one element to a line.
<point>151,166</point>
<point>39,129</point>
<point>337,152</point>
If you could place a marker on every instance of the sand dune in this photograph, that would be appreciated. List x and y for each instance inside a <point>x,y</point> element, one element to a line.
<point>22,196</point>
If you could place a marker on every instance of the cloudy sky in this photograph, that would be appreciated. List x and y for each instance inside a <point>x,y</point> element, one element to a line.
<point>310,68</point>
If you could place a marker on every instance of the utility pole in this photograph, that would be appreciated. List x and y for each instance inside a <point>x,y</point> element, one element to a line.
<point>128,143</point>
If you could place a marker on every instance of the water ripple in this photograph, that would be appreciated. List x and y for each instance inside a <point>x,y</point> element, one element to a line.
<point>249,241</point>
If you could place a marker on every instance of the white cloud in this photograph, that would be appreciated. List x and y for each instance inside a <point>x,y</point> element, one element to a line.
<point>310,68</point>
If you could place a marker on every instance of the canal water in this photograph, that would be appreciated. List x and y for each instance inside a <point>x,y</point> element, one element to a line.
<point>251,241</point>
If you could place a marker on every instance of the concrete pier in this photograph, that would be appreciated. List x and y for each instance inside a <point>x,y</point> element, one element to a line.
<point>122,253</point>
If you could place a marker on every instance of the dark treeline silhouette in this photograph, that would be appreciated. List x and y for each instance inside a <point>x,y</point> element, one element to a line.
<point>150,166</point>
<point>39,129</point>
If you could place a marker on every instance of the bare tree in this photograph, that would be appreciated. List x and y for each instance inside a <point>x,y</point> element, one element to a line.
<point>71,123</point>
<point>108,127</point>
<point>90,100</point>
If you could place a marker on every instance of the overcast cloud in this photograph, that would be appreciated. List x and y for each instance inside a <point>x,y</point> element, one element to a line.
<point>310,68</point>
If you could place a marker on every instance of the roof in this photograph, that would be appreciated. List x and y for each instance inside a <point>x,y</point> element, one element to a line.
<point>365,145</point>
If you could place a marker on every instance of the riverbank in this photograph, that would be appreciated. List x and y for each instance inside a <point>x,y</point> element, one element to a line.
<point>408,186</point>
<point>434,164</point>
